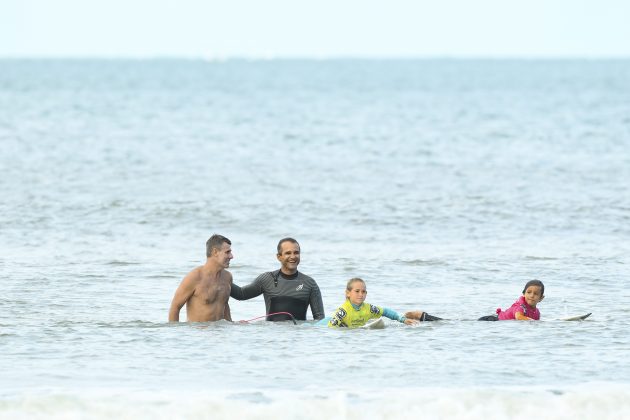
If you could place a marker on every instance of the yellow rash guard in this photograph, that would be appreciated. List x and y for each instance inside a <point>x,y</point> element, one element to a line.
<point>348,316</point>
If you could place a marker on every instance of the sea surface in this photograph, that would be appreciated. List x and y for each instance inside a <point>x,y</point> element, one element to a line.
<point>445,184</point>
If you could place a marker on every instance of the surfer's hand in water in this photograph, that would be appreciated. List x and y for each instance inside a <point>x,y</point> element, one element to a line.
<point>410,321</point>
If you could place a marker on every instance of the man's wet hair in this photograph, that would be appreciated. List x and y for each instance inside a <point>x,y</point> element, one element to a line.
<point>535,283</point>
<point>216,242</point>
<point>283,240</point>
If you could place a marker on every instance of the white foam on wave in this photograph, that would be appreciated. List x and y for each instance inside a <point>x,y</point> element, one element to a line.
<point>601,401</point>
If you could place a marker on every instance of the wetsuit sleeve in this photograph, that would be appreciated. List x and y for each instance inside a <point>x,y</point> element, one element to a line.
<point>388,313</point>
<point>317,305</point>
<point>247,292</point>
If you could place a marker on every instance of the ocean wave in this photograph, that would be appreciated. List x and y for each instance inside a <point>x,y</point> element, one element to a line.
<point>587,401</point>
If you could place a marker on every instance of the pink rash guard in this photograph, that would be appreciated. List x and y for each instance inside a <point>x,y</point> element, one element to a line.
<point>519,306</point>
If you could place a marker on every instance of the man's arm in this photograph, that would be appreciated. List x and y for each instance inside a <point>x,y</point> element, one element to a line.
<point>247,292</point>
<point>182,294</point>
<point>227,313</point>
<point>317,305</point>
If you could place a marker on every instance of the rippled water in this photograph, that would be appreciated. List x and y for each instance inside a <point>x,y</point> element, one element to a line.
<point>446,185</point>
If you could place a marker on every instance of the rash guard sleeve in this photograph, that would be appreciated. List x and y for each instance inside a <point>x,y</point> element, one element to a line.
<point>393,315</point>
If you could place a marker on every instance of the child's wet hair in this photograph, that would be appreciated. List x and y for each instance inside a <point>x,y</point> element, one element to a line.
<point>535,283</point>
<point>352,280</point>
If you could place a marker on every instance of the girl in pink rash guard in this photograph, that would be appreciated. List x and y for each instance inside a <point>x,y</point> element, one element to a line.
<point>524,309</point>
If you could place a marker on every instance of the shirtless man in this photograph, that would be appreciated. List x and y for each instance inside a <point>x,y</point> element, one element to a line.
<point>206,289</point>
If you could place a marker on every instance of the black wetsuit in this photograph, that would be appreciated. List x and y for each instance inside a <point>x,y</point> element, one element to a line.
<point>284,293</point>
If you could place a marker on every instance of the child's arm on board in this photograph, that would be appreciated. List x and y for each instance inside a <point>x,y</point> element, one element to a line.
<point>388,313</point>
<point>520,316</point>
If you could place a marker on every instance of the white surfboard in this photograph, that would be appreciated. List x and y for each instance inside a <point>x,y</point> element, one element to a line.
<point>374,324</point>
<point>576,318</point>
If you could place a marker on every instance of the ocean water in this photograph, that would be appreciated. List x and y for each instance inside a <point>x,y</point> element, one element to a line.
<point>445,184</point>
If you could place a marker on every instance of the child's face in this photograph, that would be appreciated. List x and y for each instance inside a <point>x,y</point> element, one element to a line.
<point>357,293</point>
<point>533,295</point>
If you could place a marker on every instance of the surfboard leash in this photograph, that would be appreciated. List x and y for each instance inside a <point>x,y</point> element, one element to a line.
<point>274,313</point>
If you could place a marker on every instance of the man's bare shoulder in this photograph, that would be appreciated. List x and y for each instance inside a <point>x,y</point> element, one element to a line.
<point>194,275</point>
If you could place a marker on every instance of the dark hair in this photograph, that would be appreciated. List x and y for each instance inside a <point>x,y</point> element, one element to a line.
<point>283,240</point>
<point>535,283</point>
<point>216,242</point>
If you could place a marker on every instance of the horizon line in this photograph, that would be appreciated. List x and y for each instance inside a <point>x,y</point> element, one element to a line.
<point>358,57</point>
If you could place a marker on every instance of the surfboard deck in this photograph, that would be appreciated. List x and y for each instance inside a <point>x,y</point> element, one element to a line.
<point>374,324</point>
<point>577,317</point>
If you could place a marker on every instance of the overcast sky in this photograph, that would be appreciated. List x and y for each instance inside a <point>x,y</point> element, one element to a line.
<point>318,28</point>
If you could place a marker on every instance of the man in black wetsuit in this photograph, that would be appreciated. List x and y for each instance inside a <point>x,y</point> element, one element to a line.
<point>286,289</point>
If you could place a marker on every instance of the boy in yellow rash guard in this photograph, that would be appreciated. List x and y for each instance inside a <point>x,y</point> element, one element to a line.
<point>354,312</point>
